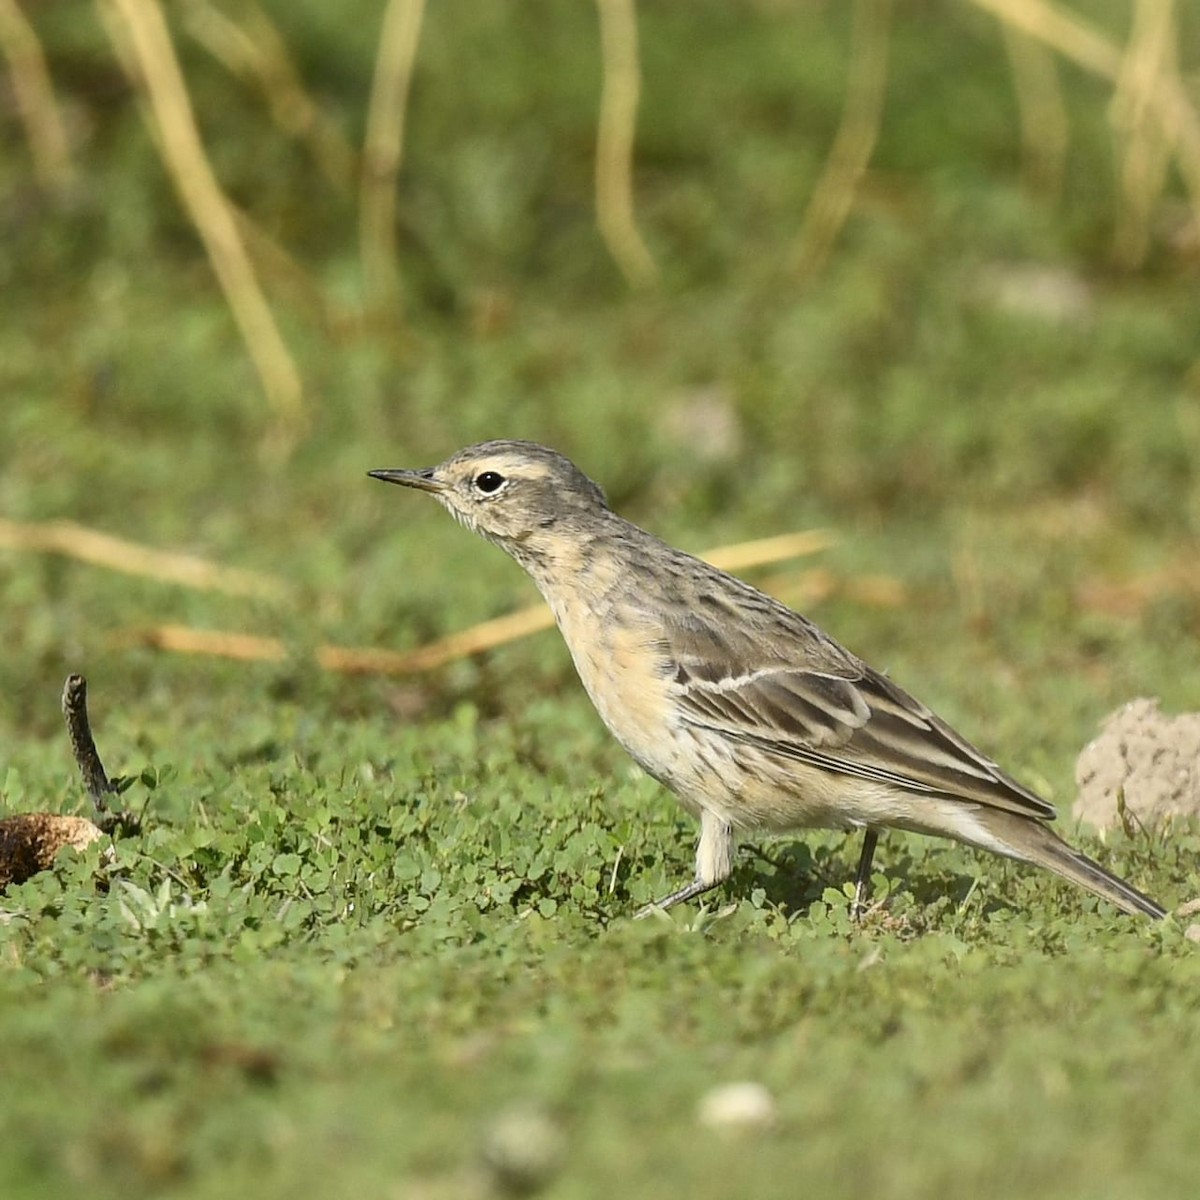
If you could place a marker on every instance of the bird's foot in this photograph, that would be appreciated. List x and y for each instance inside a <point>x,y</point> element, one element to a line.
<point>696,888</point>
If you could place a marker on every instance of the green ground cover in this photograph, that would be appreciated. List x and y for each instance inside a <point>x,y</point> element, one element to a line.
<point>368,918</point>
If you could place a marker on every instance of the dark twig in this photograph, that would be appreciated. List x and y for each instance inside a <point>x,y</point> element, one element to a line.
<point>79,730</point>
<point>83,745</point>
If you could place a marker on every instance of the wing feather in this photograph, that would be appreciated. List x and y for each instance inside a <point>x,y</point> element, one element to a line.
<point>822,706</point>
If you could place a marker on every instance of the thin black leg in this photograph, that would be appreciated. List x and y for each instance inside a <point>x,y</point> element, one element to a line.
<point>862,879</point>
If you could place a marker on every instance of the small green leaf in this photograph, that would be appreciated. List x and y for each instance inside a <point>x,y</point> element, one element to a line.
<point>286,864</point>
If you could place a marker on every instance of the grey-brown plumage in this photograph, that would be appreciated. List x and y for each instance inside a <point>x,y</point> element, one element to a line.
<point>748,712</point>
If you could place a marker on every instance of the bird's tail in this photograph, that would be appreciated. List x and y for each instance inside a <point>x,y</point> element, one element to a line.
<point>1032,841</point>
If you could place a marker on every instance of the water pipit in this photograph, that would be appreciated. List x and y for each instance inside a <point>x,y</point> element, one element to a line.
<point>750,714</point>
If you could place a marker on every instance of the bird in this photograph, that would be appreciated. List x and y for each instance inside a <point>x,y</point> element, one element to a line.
<point>750,714</point>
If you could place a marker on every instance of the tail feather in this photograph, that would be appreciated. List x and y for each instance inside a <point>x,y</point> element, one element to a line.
<point>1030,840</point>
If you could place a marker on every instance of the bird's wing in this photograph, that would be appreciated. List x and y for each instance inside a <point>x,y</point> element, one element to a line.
<point>822,706</point>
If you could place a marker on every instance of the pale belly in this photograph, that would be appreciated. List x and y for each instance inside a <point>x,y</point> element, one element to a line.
<point>746,787</point>
<point>629,684</point>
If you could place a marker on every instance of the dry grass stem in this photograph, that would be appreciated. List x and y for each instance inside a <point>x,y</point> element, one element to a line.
<point>117,554</point>
<point>256,52</point>
<point>214,643</point>
<point>486,635</point>
<point>348,660</point>
<point>614,142</point>
<point>1166,95</point>
<point>855,141</point>
<point>1045,130</point>
<point>803,589</point>
<point>1146,150</point>
<point>1061,30</point>
<point>476,639</point>
<point>140,33</point>
<point>763,551</point>
<point>382,151</point>
<point>35,99</point>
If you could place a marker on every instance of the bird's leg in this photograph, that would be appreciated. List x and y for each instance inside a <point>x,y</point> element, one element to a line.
<point>714,861</point>
<point>862,879</point>
<point>696,888</point>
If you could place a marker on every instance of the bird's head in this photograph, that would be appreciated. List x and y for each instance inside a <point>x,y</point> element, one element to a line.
<point>520,495</point>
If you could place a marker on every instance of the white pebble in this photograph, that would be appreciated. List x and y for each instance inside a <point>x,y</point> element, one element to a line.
<point>737,1106</point>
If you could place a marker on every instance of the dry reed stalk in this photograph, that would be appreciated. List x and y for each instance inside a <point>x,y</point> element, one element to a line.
<point>1045,130</point>
<point>257,53</point>
<point>117,554</point>
<point>35,99</point>
<point>1149,55</point>
<point>345,660</point>
<point>614,142</point>
<point>855,141</point>
<point>486,635</point>
<point>383,148</point>
<point>1061,30</point>
<point>212,643</point>
<point>803,589</point>
<point>139,32</point>
<point>1080,42</point>
<point>763,551</point>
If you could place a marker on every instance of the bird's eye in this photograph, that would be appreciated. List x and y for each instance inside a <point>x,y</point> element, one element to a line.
<point>489,481</point>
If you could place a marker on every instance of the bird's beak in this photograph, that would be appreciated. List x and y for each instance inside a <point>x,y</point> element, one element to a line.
<point>423,479</point>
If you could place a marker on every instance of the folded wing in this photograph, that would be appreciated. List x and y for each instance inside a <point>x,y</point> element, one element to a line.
<point>824,707</point>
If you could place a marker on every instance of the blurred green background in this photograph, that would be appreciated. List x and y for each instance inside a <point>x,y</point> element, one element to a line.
<point>986,385</point>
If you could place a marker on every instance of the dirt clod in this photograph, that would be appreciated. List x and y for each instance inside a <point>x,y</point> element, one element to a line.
<point>30,841</point>
<point>1153,758</point>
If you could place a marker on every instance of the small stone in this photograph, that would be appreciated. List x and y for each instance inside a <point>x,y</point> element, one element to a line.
<point>522,1148</point>
<point>706,421</point>
<point>736,1106</point>
<point>1040,292</point>
<point>1192,933</point>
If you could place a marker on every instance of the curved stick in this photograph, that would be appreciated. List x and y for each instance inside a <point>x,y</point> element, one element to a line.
<point>83,745</point>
